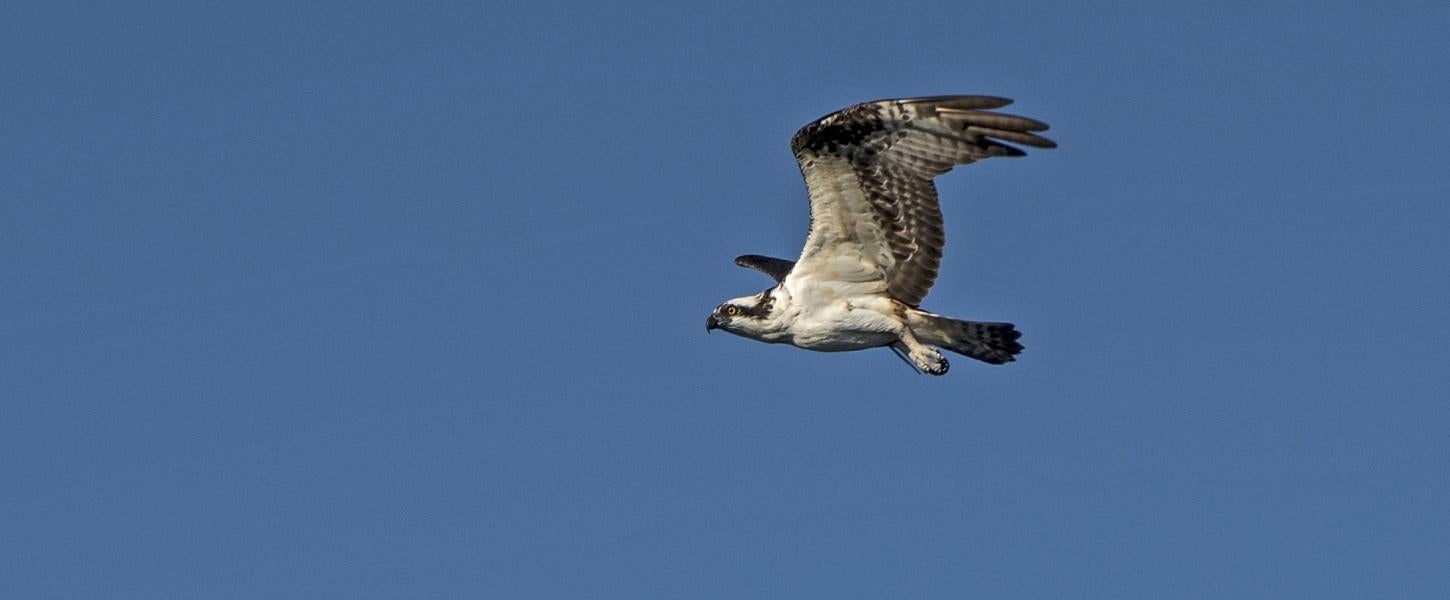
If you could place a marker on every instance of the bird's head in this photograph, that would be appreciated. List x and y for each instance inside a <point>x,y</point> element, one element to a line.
<point>748,316</point>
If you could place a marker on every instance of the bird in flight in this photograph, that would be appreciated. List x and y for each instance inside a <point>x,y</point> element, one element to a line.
<point>875,239</point>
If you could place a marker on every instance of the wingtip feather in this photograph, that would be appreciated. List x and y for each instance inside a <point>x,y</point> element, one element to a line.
<point>1019,137</point>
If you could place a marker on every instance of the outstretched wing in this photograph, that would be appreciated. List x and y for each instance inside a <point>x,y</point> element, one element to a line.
<point>875,221</point>
<point>776,268</point>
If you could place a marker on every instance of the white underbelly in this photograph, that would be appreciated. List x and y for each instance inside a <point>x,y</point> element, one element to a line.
<point>842,341</point>
<point>840,329</point>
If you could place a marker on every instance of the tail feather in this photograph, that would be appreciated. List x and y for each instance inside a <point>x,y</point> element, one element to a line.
<point>994,343</point>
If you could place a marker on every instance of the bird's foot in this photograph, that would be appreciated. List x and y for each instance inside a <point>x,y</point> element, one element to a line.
<point>930,362</point>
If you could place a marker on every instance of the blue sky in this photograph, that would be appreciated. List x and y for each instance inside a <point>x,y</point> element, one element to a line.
<point>365,300</point>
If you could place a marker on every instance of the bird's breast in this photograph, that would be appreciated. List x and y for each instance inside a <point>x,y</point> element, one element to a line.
<point>842,326</point>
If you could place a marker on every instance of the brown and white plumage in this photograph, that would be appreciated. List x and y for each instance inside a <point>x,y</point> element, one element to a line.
<point>876,228</point>
<point>869,171</point>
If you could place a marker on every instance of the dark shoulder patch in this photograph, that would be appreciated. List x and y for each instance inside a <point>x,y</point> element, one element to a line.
<point>846,128</point>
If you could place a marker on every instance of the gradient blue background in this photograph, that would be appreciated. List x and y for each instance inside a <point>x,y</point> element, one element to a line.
<point>365,300</point>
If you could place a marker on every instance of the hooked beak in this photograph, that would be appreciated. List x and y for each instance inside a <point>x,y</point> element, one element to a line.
<point>711,323</point>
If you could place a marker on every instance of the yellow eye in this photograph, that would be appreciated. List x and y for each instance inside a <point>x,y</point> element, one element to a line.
<point>731,310</point>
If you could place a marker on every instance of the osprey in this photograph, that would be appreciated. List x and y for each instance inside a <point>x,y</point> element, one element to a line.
<point>875,238</point>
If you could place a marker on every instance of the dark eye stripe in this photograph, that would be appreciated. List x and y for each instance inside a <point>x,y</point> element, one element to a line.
<point>761,308</point>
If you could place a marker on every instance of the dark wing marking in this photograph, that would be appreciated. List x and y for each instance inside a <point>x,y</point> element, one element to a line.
<point>875,218</point>
<point>776,268</point>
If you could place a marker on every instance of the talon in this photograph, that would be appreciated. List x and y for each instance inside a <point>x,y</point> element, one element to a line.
<point>932,363</point>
